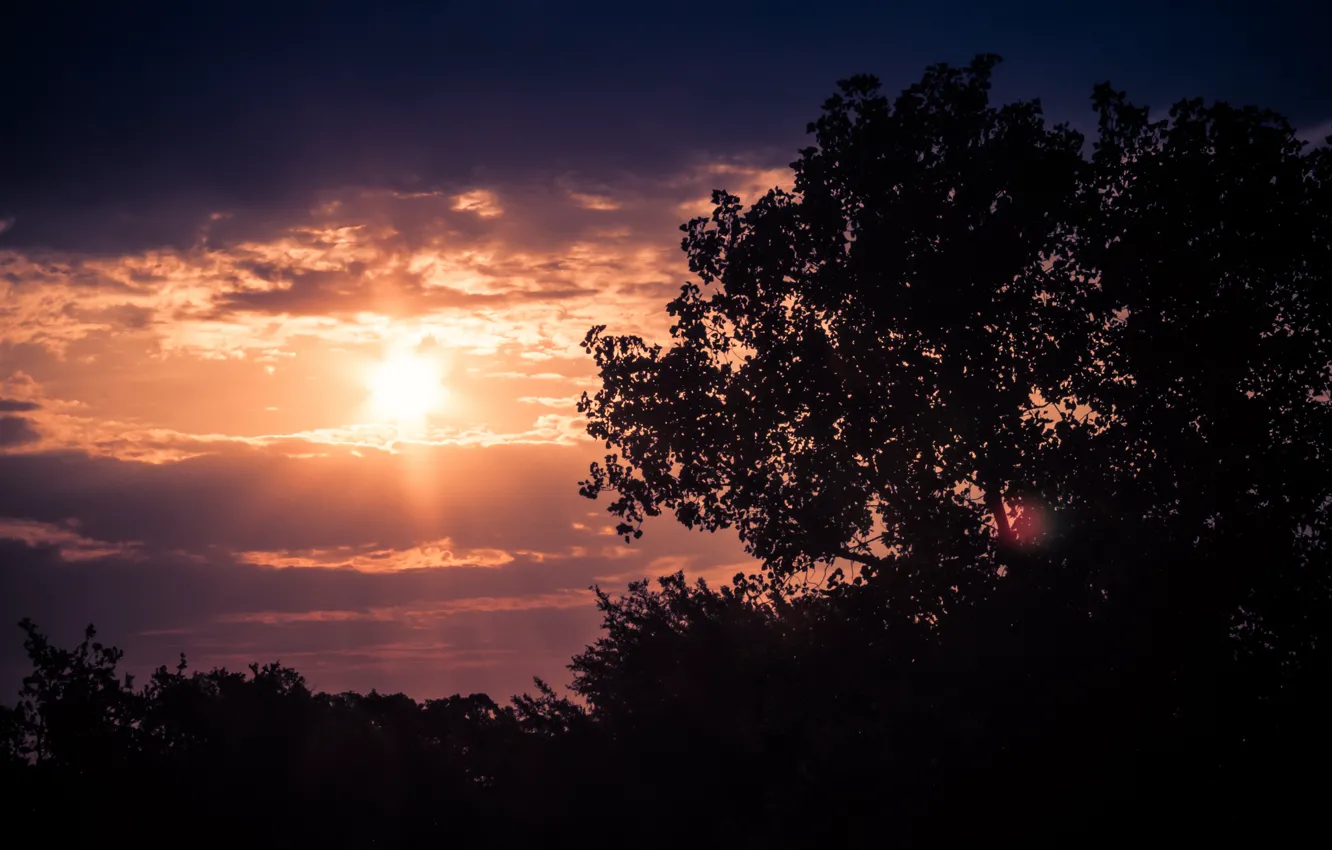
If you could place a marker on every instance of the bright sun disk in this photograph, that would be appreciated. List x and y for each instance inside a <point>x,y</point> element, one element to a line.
<point>406,389</point>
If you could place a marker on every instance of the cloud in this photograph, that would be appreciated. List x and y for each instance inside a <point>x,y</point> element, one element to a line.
<point>17,431</point>
<point>362,263</point>
<point>21,387</point>
<point>489,502</point>
<point>479,201</point>
<point>63,537</point>
<point>568,401</point>
<point>594,202</point>
<point>13,405</point>
<point>373,559</point>
<point>421,616</point>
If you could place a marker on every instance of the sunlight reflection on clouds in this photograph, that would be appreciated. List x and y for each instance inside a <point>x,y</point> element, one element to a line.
<point>210,404</point>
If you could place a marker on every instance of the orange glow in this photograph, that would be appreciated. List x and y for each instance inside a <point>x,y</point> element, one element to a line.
<point>381,389</point>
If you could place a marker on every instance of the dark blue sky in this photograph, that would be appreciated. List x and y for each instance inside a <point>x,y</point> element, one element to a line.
<point>127,122</point>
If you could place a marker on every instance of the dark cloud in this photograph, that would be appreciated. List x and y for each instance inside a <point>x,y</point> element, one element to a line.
<point>138,122</point>
<point>508,497</point>
<point>262,500</point>
<point>164,591</point>
<point>16,406</point>
<point>17,431</point>
<point>305,293</point>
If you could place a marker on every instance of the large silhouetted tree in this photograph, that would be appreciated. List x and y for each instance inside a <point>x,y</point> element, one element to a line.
<point>959,342</point>
<point>854,378</point>
<point>955,314</point>
<point>1065,403</point>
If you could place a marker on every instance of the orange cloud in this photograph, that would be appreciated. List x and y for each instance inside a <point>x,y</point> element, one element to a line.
<point>480,201</point>
<point>73,546</point>
<point>594,202</point>
<point>431,554</point>
<point>419,618</point>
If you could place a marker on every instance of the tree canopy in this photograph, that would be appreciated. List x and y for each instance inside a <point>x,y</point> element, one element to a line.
<point>1063,401</point>
<point>966,347</point>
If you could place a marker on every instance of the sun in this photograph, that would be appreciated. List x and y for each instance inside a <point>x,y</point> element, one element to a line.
<point>406,388</point>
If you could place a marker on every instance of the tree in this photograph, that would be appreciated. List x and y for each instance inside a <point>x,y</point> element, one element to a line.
<point>1205,260</point>
<point>1068,406</point>
<point>859,375</point>
<point>960,346</point>
<point>88,756</point>
<point>75,711</point>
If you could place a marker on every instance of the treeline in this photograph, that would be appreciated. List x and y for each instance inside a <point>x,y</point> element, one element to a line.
<point>702,716</point>
<point>257,758</point>
<point>1031,438</point>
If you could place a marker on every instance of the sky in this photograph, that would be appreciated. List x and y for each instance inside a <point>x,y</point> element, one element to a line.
<point>291,293</point>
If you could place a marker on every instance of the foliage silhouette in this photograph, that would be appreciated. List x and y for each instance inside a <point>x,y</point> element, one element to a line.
<point>1030,440</point>
<point>1070,411</point>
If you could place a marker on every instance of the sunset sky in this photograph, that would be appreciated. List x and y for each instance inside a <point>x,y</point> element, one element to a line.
<point>291,293</point>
